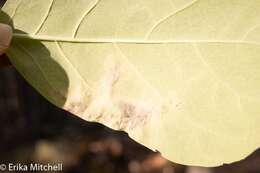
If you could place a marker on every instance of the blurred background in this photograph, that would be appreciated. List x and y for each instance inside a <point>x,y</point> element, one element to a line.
<point>34,131</point>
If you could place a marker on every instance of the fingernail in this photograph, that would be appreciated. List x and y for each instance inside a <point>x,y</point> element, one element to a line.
<point>5,37</point>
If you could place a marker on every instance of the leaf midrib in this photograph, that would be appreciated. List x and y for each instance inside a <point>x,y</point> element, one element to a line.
<point>125,41</point>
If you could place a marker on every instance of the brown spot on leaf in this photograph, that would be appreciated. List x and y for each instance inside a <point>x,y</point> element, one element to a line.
<point>134,115</point>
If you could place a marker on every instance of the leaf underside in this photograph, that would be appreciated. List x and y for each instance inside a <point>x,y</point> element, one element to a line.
<point>179,76</point>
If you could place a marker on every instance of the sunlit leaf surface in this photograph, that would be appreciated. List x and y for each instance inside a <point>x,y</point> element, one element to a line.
<point>179,76</point>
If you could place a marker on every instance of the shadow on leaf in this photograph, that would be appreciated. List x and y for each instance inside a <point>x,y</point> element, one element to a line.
<point>35,63</point>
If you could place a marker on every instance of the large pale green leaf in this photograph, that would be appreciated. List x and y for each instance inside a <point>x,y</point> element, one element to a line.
<point>180,76</point>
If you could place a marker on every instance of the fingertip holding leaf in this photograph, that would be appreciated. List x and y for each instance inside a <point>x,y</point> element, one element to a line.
<point>5,37</point>
<point>182,79</point>
<point>5,40</point>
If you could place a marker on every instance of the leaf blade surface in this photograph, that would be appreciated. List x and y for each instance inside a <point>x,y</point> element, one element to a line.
<point>183,80</point>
